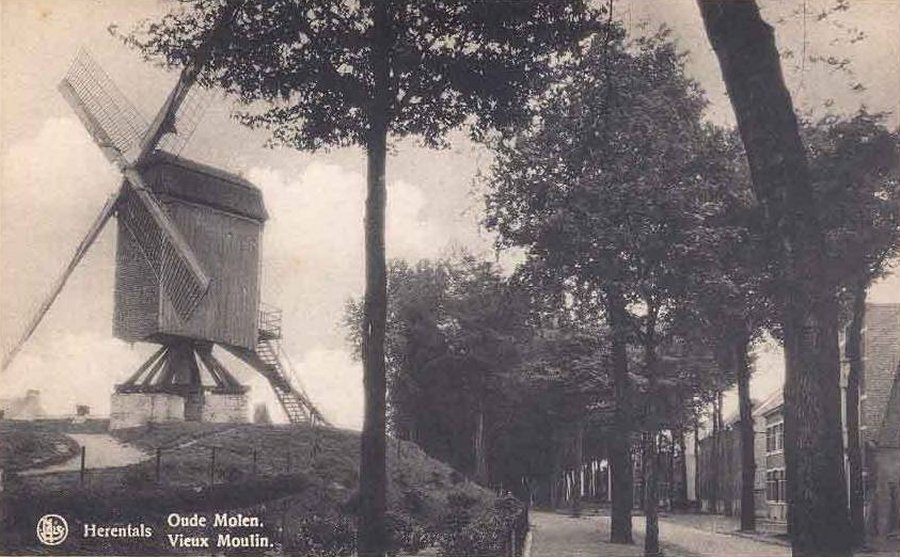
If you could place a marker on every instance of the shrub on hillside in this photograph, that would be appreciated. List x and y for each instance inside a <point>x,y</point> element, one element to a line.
<point>405,535</point>
<point>323,535</point>
<point>482,531</point>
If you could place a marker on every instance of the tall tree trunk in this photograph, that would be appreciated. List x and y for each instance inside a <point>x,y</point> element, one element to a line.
<point>680,474</point>
<point>481,473</point>
<point>555,472</point>
<point>372,538</point>
<point>751,68</point>
<point>714,476</point>
<point>854,450</point>
<point>664,442</point>
<point>698,484</point>
<point>651,454</point>
<point>621,469</point>
<point>579,461</point>
<point>651,496</point>
<point>748,456</point>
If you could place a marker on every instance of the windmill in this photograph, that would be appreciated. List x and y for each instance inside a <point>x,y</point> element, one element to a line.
<point>187,258</point>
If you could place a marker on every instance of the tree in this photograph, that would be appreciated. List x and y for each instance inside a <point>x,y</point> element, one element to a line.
<point>564,370</point>
<point>609,192</point>
<point>453,335</point>
<point>733,305</point>
<point>807,306</point>
<point>323,74</point>
<point>854,168</point>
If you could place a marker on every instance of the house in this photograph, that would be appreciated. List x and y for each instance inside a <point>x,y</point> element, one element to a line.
<point>719,465</point>
<point>879,417</point>
<point>718,460</point>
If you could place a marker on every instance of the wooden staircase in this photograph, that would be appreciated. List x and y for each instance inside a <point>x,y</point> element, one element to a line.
<point>270,360</point>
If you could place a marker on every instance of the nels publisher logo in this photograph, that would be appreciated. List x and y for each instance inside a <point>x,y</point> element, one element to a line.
<point>52,529</point>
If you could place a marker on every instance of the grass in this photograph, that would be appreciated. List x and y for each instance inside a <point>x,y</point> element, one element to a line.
<point>26,444</point>
<point>303,485</point>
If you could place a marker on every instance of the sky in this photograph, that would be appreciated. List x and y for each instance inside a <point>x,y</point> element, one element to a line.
<point>53,181</point>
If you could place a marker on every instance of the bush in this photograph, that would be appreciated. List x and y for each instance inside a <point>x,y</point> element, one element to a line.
<point>485,535</point>
<point>486,532</point>
<point>322,536</point>
<point>406,535</point>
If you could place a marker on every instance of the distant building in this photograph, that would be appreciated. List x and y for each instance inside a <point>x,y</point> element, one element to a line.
<point>879,417</point>
<point>23,408</point>
<point>719,467</point>
<point>879,414</point>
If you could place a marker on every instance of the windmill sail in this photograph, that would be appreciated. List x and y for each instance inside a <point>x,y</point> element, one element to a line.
<point>114,123</point>
<point>118,128</point>
<point>185,121</point>
<point>166,117</point>
<point>86,243</point>
<point>178,270</point>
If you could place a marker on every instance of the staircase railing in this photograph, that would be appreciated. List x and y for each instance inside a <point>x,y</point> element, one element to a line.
<point>269,321</point>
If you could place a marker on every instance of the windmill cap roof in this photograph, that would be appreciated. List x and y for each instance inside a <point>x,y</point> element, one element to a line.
<point>194,182</point>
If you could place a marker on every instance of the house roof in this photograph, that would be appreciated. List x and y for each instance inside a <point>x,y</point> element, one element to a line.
<point>771,403</point>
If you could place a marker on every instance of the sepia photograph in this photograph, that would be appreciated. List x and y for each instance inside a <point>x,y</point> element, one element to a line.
<point>450,278</point>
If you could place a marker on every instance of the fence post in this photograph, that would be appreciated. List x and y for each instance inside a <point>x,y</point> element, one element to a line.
<point>212,467</point>
<point>289,461</point>
<point>81,476</point>
<point>158,459</point>
<point>254,462</point>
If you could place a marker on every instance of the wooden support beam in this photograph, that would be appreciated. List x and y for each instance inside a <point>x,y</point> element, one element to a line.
<point>145,366</point>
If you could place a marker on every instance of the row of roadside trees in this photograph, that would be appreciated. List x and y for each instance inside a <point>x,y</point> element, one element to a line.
<point>649,276</point>
<point>655,241</point>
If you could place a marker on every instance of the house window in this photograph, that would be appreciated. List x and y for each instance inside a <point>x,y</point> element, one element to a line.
<point>776,491</point>
<point>775,437</point>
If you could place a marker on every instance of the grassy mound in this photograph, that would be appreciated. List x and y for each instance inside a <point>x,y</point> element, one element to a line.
<point>26,444</point>
<point>300,481</point>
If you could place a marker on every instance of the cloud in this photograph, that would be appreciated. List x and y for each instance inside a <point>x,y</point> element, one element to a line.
<point>314,261</point>
<point>54,186</point>
<point>331,379</point>
<point>74,368</point>
<point>313,249</point>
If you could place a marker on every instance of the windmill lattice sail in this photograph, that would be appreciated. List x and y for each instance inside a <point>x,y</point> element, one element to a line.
<point>118,128</point>
<point>186,120</point>
<point>107,113</point>
<point>179,220</point>
<point>183,285</point>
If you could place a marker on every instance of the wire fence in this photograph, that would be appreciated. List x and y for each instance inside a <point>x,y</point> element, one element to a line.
<point>179,462</point>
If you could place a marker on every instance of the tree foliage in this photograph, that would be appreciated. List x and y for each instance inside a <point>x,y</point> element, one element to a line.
<point>620,188</point>
<point>453,337</point>
<point>322,74</point>
<point>310,63</point>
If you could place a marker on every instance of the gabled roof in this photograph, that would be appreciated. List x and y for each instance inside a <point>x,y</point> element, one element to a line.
<point>771,403</point>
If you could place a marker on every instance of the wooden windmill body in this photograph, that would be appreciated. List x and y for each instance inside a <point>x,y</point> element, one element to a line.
<point>188,260</point>
<point>221,218</point>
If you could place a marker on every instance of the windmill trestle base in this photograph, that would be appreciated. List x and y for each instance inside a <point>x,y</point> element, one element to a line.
<point>135,409</point>
<point>138,409</point>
